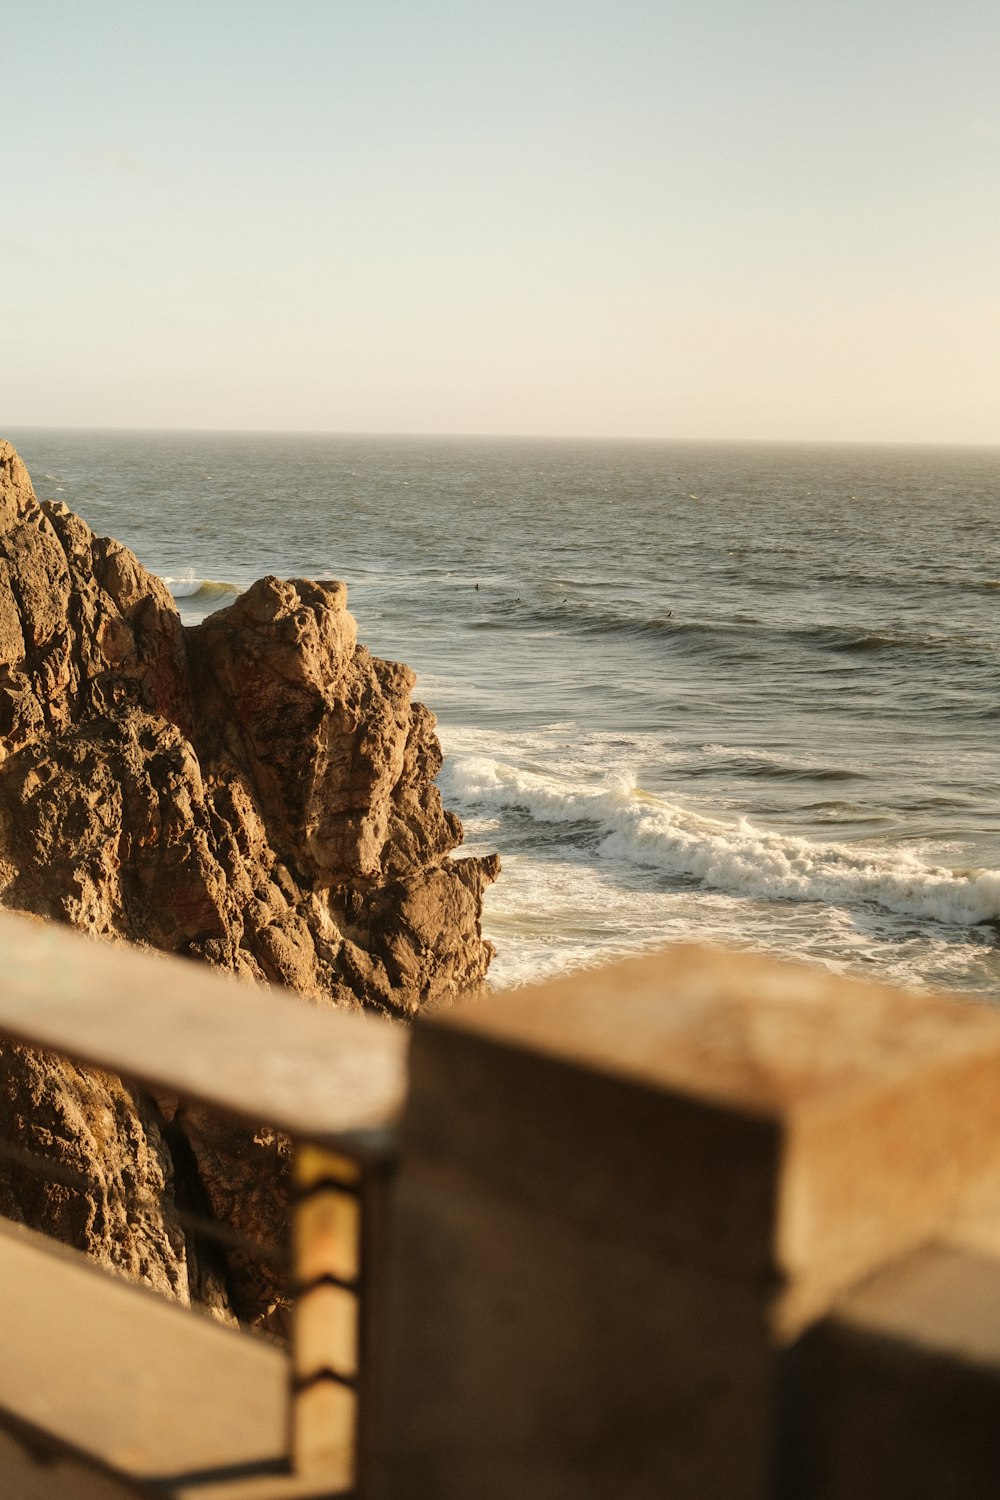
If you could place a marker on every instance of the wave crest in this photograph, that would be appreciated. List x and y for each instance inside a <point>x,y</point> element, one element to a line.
<point>193,588</point>
<point>640,829</point>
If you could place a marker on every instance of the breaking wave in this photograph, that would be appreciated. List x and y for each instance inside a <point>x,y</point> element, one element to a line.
<point>639,829</point>
<point>200,589</point>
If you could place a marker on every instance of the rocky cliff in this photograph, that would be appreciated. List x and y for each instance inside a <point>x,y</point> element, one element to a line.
<point>256,792</point>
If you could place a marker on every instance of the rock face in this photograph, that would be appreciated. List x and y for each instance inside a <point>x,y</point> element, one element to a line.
<point>256,792</point>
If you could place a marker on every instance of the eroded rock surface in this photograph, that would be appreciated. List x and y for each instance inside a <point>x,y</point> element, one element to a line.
<point>256,792</point>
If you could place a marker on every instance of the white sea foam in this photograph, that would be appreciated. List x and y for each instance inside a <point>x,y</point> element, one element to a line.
<point>190,587</point>
<point>638,829</point>
<point>184,588</point>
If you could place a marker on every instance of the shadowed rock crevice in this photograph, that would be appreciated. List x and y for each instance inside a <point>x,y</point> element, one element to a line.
<point>256,792</point>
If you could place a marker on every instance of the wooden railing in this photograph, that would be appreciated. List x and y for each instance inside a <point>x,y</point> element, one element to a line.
<point>125,1393</point>
<point>699,1225</point>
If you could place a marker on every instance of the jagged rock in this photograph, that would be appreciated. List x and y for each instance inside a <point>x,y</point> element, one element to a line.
<point>256,792</point>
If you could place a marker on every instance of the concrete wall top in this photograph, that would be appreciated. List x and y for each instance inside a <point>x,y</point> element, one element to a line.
<point>767,1037</point>
<point>771,1119</point>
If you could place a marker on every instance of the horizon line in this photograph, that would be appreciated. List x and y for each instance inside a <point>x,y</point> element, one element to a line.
<point>510,437</point>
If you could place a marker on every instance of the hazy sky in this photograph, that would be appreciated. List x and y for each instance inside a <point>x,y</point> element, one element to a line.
<point>675,219</point>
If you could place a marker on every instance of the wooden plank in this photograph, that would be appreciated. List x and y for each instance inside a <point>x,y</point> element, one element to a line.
<point>259,1054</point>
<point>314,1486</point>
<point>29,1473</point>
<point>132,1382</point>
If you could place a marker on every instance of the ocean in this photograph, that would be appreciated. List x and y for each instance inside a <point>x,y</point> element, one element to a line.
<point>741,693</point>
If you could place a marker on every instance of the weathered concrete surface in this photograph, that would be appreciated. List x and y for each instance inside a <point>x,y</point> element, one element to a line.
<point>756,1088</point>
<point>624,1193</point>
<point>898,1389</point>
<point>256,793</point>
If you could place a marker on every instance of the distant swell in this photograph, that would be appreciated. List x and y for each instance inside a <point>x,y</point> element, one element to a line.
<point>844,638</point>
<point>634,827</point>
<point>769,767</point>
<point>581,619</point>
<point>736,635</point>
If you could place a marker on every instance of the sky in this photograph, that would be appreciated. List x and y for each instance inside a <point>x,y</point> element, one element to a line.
<point>670,220</point>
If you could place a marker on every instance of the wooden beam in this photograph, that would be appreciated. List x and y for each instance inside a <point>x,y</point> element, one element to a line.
<point>97,1369</point>
<point>259,1054</point>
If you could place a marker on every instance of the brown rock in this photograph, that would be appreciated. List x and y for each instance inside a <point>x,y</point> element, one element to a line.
<point>256,792</point>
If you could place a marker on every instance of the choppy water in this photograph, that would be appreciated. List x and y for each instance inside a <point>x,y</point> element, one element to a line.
<point>737,692</point>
